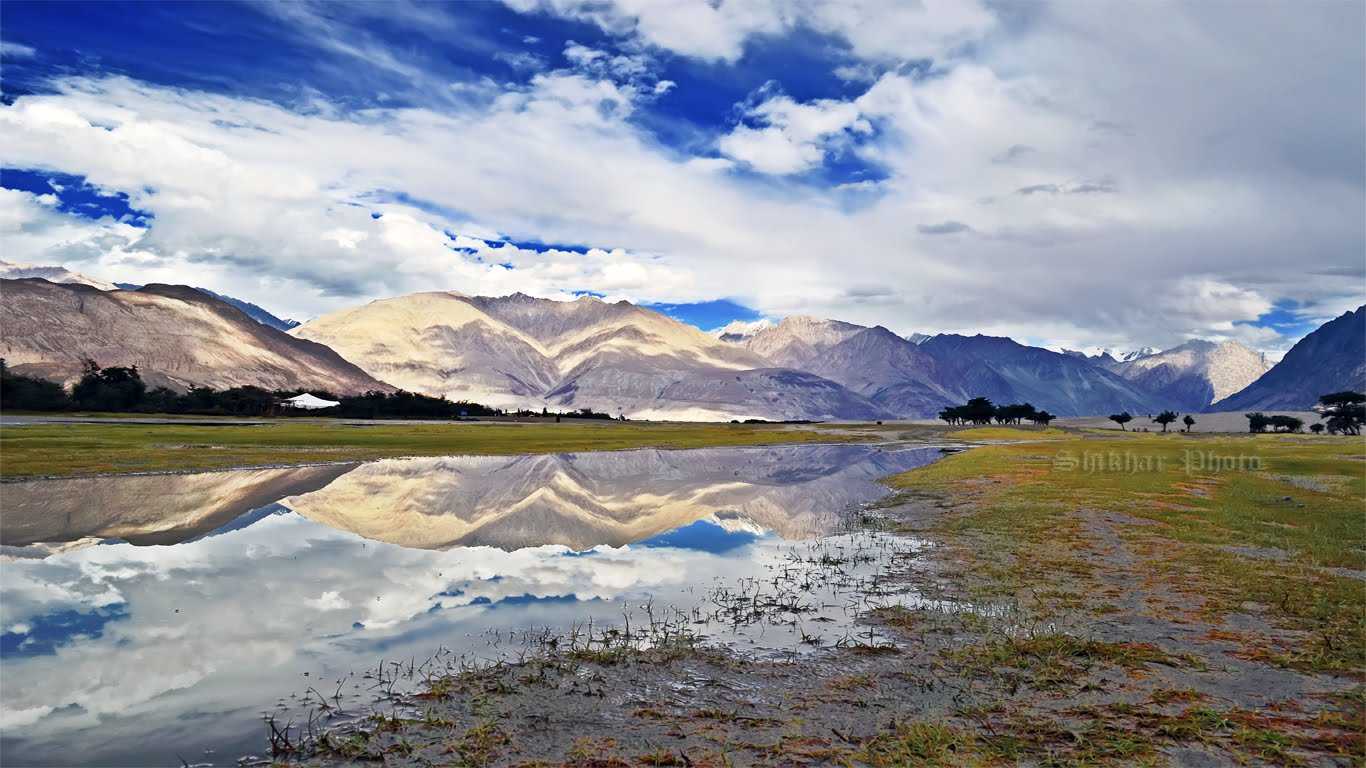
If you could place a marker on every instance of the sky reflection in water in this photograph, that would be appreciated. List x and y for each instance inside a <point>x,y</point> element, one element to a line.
<point>238,584</point>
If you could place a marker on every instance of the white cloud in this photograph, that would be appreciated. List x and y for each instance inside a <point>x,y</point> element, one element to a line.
<point>10,50</point>
<point>1220,193</point>
<point>742,327</point>
<point>791,137</point>
<point>718,31</point>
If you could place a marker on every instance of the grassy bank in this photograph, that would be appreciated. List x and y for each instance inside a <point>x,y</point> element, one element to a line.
<point>76,449</point>
<point>1266,524</point>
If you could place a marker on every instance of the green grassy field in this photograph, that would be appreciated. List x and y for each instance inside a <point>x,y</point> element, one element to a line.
<point>1266,520</point>
<point>75,449</point>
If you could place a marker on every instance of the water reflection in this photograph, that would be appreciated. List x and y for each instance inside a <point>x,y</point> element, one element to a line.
<point>144,509</point>
<point>134,652</point>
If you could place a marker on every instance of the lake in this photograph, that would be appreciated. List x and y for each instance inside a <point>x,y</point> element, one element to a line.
<point>155,619</point>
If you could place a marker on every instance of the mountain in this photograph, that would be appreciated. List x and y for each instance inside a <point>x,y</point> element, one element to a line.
<point>1127,357</point>
<point>1194,374</point>
<point>1331,359</point>
<point>54,274</point>
<point>891,371</point>
<point>60,274</point>
<point>798,340</point>
<point>519,351</point>
<point>255,312</point>
<point>1008,372</point>
<point>177,336</point>
<point>917,379</point>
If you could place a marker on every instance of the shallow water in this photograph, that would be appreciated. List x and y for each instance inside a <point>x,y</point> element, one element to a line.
<point>151,619</point>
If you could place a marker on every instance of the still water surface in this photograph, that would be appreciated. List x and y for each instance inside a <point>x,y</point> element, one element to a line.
<point>145,620</point>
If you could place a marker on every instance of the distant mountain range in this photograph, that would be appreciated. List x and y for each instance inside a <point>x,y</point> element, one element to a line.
<point>1331,359</point>
<point>177,336</point>
<point>522,352</point>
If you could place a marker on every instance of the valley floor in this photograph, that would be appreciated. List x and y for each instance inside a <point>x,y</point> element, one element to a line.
<point>1088,599</point>
<point>32,447</point>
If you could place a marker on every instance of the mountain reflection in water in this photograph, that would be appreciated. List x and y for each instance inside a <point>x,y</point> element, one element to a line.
<point>145,617</point>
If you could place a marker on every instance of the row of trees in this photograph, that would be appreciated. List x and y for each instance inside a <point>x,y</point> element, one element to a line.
<point>1164,418</point>
<point>1343,412</point>
<point>121,389</point>
<point>980,410</point>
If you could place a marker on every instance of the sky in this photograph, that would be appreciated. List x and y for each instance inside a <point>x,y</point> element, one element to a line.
<point>1073,174</point>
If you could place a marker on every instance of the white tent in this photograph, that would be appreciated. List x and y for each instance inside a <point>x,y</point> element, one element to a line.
<point>309,402</point>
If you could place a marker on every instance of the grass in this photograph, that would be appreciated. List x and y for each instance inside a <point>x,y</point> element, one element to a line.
<point>1222,522</point>
<point>80,449</point>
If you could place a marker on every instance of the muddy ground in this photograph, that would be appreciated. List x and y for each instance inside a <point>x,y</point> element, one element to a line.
<point>1101,662</point>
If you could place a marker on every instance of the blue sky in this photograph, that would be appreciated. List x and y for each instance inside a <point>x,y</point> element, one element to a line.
<point>925,167</point>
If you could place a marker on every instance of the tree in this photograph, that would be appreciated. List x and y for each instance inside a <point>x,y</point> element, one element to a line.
<point>1042,418</point>
<point>108,389</point>
<point>1164,418</point>
<point>1316,428</point>
<point>1256,422</point>
<point>979,410</point>
<point>1189,421</point>
<point>1281,423</point>
<point>1121,418</point>
<point>1344,412</point>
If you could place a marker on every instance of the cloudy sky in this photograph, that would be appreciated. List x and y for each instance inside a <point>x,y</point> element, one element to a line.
<point>1073,174</point>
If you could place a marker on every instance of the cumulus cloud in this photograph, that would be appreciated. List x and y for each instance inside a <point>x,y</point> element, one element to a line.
<point>1216,198</point>
<point>789,137</point>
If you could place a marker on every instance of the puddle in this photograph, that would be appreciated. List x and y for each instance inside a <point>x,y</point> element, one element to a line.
<point>153,619</point>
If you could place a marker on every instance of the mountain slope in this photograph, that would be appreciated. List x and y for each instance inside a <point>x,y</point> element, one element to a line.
<point>891,371</point>
<point>1331,359</point>
<point>1194,374</point>
<point>53,274</point>
<point>1008,372</point>
<point>798,340</point>
<point>255,312</point>
<point>518,351</point>
<point>177,336</point>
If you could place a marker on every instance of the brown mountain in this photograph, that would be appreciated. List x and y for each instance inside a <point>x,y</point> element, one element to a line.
<point>177,336</point>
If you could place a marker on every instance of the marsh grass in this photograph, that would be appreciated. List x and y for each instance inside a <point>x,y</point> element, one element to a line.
<point>1220,540</point>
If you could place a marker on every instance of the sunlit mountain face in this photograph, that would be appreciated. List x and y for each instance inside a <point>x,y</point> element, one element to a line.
<point>141,611</point>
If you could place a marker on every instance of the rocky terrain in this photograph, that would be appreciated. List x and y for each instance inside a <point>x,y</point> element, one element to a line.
<point>177,336</point>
